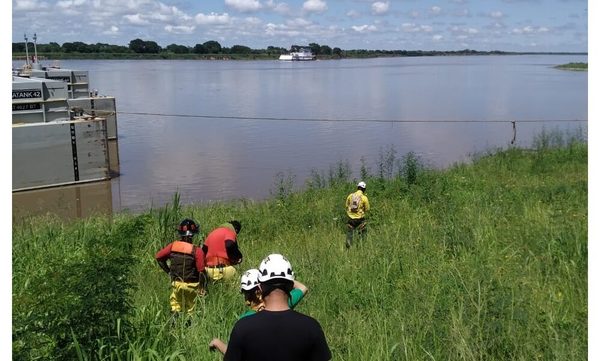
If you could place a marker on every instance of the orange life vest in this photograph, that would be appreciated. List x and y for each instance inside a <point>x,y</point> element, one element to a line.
<point>216,253</point>
<point>182,247</point>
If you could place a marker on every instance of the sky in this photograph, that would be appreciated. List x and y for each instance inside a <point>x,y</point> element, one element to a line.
<point>507,25</point>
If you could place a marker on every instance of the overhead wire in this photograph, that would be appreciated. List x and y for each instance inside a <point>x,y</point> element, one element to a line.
<point>296,119</point>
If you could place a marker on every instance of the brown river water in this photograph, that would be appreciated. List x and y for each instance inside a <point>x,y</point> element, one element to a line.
<point>222,130</point>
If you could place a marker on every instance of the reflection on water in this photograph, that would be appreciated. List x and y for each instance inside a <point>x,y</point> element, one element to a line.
<point>69,202</point>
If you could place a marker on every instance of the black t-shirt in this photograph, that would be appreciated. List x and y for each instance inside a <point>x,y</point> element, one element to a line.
<point>278,336</point>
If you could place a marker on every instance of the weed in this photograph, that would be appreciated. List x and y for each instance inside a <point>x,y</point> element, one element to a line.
<point>482,261</point>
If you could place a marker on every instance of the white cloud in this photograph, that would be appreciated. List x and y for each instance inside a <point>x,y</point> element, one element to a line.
<point>213,19</point>
<point>279,8</point>
<point>179,29</point>
<point>437,37</point>
<point>414,28</point>
<point>136,19</point>
<point>244,5</point>
<point>414,14</point>
<point>364,28</point>
<point>527,30</point>
<point>298,23</point>
<point>66,4</point>
<point>251,20</point>
<point>30,5</point>
<point>463,31</point>
<point>353,14</point>
<point>380,8</point>
<point>315,6</point>
<point>170,12</point>
<point>436,10</point>
<point>114,30</point>
<point>497,14</point>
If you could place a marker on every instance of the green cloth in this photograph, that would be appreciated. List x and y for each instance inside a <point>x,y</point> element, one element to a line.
<point>227,225</point>
<point>296,296</point>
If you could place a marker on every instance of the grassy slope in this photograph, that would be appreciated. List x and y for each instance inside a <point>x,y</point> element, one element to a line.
<point>487,261</point>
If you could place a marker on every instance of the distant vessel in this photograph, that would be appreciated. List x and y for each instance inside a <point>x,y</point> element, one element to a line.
<point>303,54</point>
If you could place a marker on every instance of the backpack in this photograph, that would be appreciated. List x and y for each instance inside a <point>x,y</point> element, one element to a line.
<point>355,202</point>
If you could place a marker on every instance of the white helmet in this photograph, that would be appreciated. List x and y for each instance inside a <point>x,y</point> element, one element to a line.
<point>275,266</point>
<point>362,185</point>
<point>249,279</point>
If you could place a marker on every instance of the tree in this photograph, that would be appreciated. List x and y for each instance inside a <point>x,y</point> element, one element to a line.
<point>152,47</point>
<point>18,47</point>
<point>337,52</point>
<point>240,49</point>
<point>75,47</point>
<point>200,49</point>
<point>325,50</point>
<point>178,49</point>
<point>144,47</point>
<point>136,45</point>
<point>314,48</point>
<point>212,47</point>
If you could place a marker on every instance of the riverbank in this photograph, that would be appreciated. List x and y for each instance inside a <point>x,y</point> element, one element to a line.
<point>481,261</point>
<point>261,56</point>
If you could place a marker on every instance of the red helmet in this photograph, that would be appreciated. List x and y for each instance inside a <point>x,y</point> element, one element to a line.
<point>188,227</point>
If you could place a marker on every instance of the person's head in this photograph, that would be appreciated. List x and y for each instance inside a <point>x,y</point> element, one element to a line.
<point>275,273</point>
<point>249,287</point>
<point>362,186</point>
<point>187,229</point>
<point>236,225</point>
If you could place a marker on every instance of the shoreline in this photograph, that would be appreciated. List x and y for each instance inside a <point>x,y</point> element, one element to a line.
<point>172,56</point>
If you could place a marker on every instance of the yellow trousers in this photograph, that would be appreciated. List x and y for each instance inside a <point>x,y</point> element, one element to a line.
<point>217,273</point>
<point>183,296</point>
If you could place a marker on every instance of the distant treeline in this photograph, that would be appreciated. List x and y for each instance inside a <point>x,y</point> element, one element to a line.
<point>141,48</point>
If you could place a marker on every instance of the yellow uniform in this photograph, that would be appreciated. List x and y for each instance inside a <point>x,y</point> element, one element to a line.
<point>363,205</point>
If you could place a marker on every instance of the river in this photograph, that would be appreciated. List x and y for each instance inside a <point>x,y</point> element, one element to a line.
<point>221,130</point>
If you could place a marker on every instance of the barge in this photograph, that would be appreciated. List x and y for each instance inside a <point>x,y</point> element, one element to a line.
<point>62,133</point>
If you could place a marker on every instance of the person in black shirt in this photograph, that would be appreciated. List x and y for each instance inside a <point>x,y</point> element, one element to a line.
<point>277,333</point>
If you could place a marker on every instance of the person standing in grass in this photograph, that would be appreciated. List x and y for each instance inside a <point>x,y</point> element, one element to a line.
<point>277,332</point>
<point>222,252</point>
<point>184,262</point>
<point>253,298</point>
<point>357,206</point>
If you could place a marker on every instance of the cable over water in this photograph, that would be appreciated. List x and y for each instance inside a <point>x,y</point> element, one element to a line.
<point>206,116</point>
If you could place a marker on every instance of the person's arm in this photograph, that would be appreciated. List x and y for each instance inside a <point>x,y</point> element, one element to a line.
<point>199,256</point>
<point>234,347</point>
<point>233,251</point>
<point>367,205</point>
<point>162,256</point>
<point>217,344</point>
<point>301,286</point>
<point>297,294</point>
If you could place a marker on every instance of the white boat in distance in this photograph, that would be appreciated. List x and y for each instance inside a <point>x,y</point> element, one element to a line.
<point>303,54</point>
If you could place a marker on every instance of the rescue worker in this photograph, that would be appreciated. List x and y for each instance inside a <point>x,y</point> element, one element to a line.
<point>221,251</point>
<point>357,205</point>
<point>277,332</point>
<point>184,262</point>
<point>253,299</point>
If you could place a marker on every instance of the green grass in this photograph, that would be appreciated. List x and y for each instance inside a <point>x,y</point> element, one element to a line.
<point>573,66</point>
<point>486,261</point>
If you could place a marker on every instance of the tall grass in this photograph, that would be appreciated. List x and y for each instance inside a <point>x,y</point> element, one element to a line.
<point>486,261</point>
